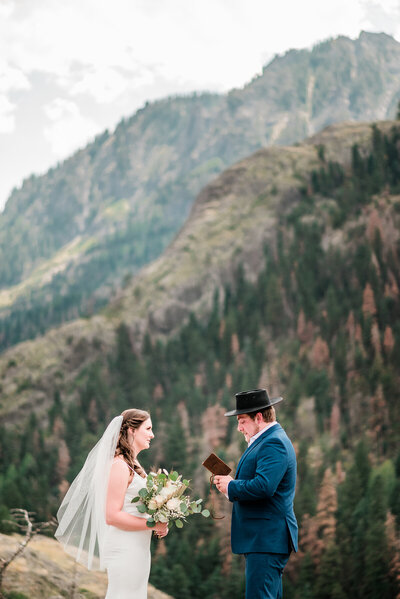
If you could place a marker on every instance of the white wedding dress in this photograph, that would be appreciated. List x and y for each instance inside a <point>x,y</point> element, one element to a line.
<point>127,553</point>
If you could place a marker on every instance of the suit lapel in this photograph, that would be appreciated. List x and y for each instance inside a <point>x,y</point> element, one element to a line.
<point>255,444</point>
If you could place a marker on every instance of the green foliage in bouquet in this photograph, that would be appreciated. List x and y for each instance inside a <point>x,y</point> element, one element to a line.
<point>164,499</point>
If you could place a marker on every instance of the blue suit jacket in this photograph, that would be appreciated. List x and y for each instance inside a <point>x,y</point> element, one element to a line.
<point>262,493</point>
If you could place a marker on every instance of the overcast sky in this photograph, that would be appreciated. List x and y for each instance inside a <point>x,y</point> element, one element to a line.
<point>71,68</point>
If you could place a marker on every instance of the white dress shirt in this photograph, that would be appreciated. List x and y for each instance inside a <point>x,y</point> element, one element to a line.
<point>254,437</point>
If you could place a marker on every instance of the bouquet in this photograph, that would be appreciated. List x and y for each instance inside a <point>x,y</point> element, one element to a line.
<point>164,499</point>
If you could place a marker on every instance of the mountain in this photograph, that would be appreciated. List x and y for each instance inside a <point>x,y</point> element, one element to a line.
<point>231,220</point>
<point>68,238</point>
<point>286,275</point>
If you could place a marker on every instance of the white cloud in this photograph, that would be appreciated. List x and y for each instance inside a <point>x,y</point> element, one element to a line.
<point>382,16</point>
<point>68,129</point>
<point>7,118</point>
<point>97,60</point>
<point>213,43</point>
<point>11,79</point>
<point>106,84</point>
<point>6,8</point>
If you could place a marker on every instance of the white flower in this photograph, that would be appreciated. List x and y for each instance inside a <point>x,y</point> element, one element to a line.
<point>164,492</point>
<point>168,491</point>
<point>173,504</point>
<point>159,500</point>
<point>162,518</point>
<point>152,505</point>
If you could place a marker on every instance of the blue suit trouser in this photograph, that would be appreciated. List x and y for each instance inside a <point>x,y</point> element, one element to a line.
<point>264,575</point>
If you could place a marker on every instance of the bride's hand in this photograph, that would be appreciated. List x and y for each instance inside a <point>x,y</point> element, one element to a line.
<point>161,530</point>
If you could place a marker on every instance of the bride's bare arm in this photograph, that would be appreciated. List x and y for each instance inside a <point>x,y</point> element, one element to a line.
<point>118,482</point>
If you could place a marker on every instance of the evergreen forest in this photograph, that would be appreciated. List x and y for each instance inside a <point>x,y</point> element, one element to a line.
<point>321,325</point>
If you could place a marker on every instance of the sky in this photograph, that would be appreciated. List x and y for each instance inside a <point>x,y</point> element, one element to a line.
<point>71,69</point>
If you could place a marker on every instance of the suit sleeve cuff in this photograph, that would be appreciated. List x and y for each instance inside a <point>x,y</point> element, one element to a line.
<point>229,490</point>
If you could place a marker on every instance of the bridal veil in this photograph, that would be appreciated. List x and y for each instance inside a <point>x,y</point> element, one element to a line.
<point>81,517</point>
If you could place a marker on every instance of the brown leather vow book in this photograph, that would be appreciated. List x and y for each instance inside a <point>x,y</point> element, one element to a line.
<point>216,466</point>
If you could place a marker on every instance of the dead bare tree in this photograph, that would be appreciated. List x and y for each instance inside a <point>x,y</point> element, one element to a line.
<point>24,522</point>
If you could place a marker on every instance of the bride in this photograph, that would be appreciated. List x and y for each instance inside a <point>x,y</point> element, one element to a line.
<point>97,519</point>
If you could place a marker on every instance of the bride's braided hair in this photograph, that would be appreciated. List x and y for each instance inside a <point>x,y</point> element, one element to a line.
<point>132,419</point>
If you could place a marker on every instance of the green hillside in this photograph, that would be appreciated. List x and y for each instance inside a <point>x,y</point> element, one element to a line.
<point>286,275</point>
<point>70,238</point>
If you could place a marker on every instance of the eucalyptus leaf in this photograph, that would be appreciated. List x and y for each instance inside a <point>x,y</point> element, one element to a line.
<point>143,493</point>
<point>141,509</point>
<point>135,499</point>
<point>205,513</point>
<point>174,476</point>
<point>178,524</point>
<point>150,523</point>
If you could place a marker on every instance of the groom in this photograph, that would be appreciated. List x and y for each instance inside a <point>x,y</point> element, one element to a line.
<point>264,526</point>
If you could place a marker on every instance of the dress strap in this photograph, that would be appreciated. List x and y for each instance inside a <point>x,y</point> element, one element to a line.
<point>126,463</point>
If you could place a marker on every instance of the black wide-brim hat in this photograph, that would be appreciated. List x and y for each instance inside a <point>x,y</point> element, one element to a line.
<point>253,401</point>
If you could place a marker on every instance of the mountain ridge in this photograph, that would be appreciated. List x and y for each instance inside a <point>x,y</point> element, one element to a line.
<point>68,238</point>
<point>231,221</point>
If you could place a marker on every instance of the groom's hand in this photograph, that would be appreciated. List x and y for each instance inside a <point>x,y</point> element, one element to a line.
<point>222,482</point>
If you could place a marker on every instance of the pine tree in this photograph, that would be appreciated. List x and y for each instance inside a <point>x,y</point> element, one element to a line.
<point>179,584</point>
<point>351,522</point>
<point>395,495</point>
<point>377,565</point>
<point>9,490</point>
<point>394,555</point>
<point>306,581</point>
<point>175,447</point>
<point>326,508</point>
<point>274,313</point>
<point>368,307</point>
<point>328,585</point>
<point>388,340</point>
<point>63,461</point>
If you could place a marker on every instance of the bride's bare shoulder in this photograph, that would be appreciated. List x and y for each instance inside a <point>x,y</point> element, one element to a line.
<point>120,465</point>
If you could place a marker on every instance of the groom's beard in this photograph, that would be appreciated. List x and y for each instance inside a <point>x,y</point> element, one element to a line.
<point>248,436</point>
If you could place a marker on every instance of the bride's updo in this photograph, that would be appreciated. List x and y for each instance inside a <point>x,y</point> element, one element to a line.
<point>132,419</point>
